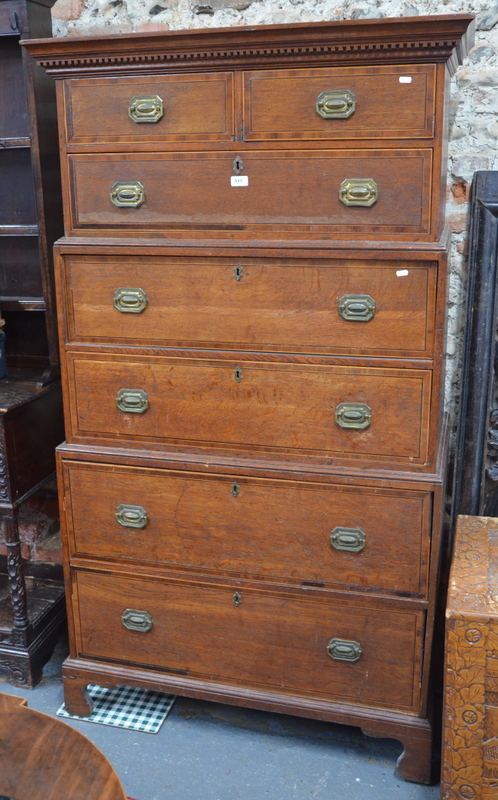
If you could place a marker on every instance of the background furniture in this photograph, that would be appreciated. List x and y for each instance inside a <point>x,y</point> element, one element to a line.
<point>31,606</point>
<point>470,732</point>
<point>476,469</point>
<point>45,759</point>
<point>253,284</point>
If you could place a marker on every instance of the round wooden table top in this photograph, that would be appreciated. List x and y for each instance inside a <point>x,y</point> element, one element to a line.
<point>42,758</point>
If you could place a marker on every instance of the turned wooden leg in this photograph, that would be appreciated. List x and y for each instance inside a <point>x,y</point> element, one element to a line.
<point>417,762</point>
<point>76,698</point>
<point>17,584</point>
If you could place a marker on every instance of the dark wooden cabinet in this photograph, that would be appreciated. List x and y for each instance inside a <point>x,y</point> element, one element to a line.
<point>252,289</point>
<point>31,600</point>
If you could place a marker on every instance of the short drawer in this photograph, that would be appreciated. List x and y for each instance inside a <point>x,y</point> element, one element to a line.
<point>334,411</point>
<point>287,531</point>
<point>187,108</point>
<point>226,633</point>
<point>335,307</point>
<point>382,191</point>
<point>385,102</point>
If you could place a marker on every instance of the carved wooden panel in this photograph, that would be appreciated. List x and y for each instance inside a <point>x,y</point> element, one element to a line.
<point>470,734</point>
<point>476,480</point>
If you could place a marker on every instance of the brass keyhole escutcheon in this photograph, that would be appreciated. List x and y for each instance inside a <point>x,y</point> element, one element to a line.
<point>237,599</point>
<point>235,489</point>
<point>238,165</point>
<point>238,272</point>
<point>237,374</point>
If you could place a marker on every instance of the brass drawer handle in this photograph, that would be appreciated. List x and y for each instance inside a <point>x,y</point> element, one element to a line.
<point>147,108</point>
<point>353,415</point>
<point>351,540</point>
<point>339,104</point>
<point>130,301</point>
<point>137,620</point>
<point>127,194</point>
<point>131,516</point>
<point>132,401</point>
<point>359,192</point>
<point>344,650</point>
<point>357,307</point>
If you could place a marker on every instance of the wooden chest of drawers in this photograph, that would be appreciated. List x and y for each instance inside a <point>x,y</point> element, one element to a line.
<point>252,288</point>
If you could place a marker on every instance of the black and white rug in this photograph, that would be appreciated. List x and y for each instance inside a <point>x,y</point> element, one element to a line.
<point>126,707</point>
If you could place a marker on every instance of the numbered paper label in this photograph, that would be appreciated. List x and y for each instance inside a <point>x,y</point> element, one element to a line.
<point>239,180</point>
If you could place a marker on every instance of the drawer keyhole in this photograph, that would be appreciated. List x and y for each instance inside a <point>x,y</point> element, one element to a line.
<point>238,272</point>
<point>237,599</point>
<point>237,374</point>
<point>238,165</point>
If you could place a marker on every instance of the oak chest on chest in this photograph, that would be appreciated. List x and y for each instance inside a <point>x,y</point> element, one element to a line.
<point>252,295</point>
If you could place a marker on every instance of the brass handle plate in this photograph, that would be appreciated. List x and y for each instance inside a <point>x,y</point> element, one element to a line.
<point>339,104</point>
<point>351,540</point>
<point>353,415</point>
<point>132,401</point>
<point>344,650</point>
<point>357,307</point>
<point>359,192</point>
<point>130,301</point>
<point>131,516</point>
<point>146,108</point>
<point>135,620</point>
<point>127,194</point>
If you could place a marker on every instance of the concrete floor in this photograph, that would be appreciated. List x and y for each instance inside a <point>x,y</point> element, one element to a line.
<point>209,751</point>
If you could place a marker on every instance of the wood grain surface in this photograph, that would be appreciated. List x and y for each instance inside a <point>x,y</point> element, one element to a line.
<point>240,303</point>
<point>276,530</point>
<point>43,758</point>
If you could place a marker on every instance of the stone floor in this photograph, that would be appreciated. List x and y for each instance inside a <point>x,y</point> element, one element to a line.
<point>209,751</point>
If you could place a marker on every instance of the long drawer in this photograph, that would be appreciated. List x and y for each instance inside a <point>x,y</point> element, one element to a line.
<point>285,531</point>
<point>340,306</point>
<point>256,191</point>
<point>343,649</point>
<point>340,410</point>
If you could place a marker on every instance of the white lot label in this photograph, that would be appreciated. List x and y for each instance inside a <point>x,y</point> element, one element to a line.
<point>239,180</point>
<point>401,273</point>
<point>405,79</point>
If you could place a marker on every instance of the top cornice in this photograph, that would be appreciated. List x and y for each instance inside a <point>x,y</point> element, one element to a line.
<point>374,41</point>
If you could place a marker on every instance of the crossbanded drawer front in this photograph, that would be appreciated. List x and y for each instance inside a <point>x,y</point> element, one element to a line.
<point>292,190</point>
<point>342,411</point>
<point>368,537</point>
<point>196,107</point>
<point>337,307</point>
<point>353,651</point>
<point>340,103</point>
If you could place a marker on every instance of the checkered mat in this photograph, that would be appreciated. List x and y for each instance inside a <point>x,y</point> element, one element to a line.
<point>126,707</point>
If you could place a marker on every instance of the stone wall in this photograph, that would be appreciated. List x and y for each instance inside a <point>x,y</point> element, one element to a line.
<point>474,98</point>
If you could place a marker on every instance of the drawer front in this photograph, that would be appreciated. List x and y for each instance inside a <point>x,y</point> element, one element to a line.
<point>285,191</point>
<point>337,307</point>
<point>267,406</point>
<point>149,110</point>
<point>367,537</point>
<point>340,103</point>
<point>253,639</point>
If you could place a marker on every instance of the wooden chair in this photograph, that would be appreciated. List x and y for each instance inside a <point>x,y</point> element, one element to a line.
<point>42,758</point>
